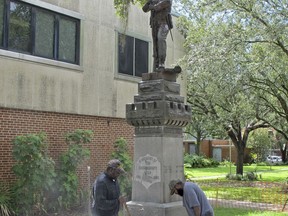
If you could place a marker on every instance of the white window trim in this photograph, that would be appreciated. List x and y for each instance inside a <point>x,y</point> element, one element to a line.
<point>54,8</point>
<point>40,60</point>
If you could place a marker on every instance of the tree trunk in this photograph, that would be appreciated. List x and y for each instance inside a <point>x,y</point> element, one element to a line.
<point>197,149</point>
<point>198,143</point>
<point>240,160</point>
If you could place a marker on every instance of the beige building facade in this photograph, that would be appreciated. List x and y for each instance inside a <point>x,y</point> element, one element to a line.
<point>73,74</point>
<point>93,86</point>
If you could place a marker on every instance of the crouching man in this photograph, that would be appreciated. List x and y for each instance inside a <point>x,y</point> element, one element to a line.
<point>194,199</point>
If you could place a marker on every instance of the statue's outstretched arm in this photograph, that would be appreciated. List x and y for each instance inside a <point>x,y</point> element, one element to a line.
<point>162,5</point>
<point>147,6</point>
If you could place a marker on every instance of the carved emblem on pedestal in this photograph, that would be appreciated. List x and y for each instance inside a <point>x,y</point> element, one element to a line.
<point>147,170</point>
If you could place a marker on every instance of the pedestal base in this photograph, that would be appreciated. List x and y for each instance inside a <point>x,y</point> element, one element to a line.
<point>156,209</point>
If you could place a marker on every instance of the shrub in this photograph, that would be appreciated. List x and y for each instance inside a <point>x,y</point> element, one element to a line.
<point>187,165</point>
<point>196,161</point>
<point>121,153</point>
<point>249,176</point>
<point>237,177</point>
<point>262,164</point>
<point>5,200</point>
<point>226,163</point>
<point>69,161</point>
<point>35,173</point>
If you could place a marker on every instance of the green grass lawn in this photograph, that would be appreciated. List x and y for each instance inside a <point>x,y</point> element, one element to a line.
<point>244,212</point>
<point>240,191</point>
<point>269,189</point>
<point>267,173</point>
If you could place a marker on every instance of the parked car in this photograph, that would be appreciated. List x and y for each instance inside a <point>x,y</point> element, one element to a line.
<point>274,159</point>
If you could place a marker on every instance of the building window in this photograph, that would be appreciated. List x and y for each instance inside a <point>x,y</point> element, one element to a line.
<point>132,55</point>
<point>40,32</point>
<point>44,32</point>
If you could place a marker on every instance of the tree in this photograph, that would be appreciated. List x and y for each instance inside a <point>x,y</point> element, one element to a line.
<point>219,39</point>
<point>257,31</point>
<point>197,129</point>
<point>260,142</point>
<point>122,7</point>
<point>224,102</point>
<point>282,144</point>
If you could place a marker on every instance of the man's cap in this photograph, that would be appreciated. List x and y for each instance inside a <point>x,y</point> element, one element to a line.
<point>116,164</point>
<point>172,185</point>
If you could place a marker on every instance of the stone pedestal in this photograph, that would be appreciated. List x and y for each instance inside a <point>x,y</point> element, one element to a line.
<point>158,115</point>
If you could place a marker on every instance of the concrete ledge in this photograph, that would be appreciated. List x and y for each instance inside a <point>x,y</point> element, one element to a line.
<point>156,209</point>
<point>159,75</point>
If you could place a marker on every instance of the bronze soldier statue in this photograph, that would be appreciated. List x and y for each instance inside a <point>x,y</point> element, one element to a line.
<point>161,23</point>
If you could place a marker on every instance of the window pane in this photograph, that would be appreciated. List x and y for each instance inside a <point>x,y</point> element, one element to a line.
<point>125,54</point>
<point>1,21</point>
<point>20,27</point>
<point>67,40</point>
<point>141,57</point>
<point>44,33</point>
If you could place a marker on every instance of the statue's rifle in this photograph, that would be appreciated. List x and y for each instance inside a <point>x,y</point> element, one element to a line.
<point>170,26</point>
<point>171,34</point>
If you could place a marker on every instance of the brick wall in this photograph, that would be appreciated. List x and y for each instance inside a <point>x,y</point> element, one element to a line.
<point>106,130</point>
<point>206,148</point>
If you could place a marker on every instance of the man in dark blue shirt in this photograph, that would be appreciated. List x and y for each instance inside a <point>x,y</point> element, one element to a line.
<point>106,191</point>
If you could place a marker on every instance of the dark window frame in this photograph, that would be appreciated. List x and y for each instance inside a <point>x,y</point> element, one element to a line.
<point>133,57</point>
<point>57,16</point>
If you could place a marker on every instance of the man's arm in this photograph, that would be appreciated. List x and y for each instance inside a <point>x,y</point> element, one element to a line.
<point>197,210</point>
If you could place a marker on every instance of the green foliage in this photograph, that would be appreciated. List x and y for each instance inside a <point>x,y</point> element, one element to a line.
<point>260,142</point>
<point>281,142</point>
<point>234,70</point>
<point>252,176</point>
<point>122,7</point>
<point>226,163</point>
<point>6,200</point>
<point>79,137</point>
<point>69,161</point>
<point>35,172</point>
<point>199,129</point>
<point>249,176</point>
<point>196,161</point>
<point>121,153</point>
<point>37,189</point>
<point>234,177</point>
<point>268,173</point>
<point>237,54</point>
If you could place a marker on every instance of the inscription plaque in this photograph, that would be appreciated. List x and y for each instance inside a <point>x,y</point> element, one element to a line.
<point>147,171</point>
